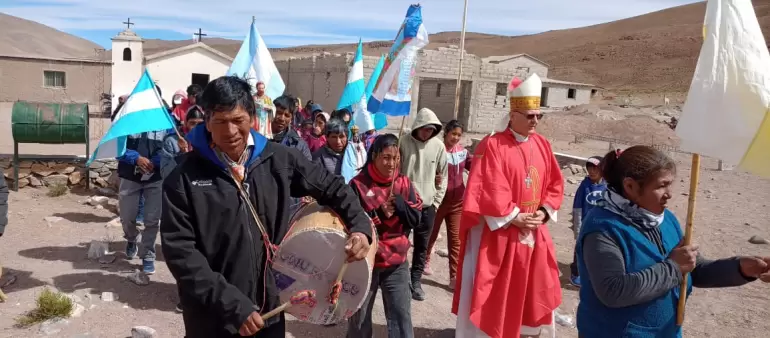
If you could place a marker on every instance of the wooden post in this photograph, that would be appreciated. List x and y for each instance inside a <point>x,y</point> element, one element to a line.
<point>15,166</point>
<point>694,177</point>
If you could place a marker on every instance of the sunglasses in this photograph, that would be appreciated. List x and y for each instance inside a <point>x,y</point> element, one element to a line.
<point>533,116</point>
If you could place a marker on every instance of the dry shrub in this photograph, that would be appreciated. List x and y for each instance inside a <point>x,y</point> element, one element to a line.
<point>50,305</point>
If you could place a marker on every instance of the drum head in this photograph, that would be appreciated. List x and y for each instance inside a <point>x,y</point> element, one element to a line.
<point>310,259</point>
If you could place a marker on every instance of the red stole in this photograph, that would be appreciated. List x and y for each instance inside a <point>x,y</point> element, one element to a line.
<point>515,284</point>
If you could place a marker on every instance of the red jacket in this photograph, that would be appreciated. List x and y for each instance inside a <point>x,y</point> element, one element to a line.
<point>373,190</point>
<point>458,160</point>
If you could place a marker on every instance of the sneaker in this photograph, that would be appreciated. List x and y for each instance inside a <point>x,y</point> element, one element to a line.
<point>131,250</point>
<point>575,281</point>
<point>148,266</point>
<point>179,307</point>
<point>427,271</point>
<point>417,292</point>
<point>452,283</point>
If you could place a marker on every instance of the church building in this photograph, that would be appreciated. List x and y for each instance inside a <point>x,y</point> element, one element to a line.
<point>172,69</point>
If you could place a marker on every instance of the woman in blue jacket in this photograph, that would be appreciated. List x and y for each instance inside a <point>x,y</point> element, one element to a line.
<point>631,256</point>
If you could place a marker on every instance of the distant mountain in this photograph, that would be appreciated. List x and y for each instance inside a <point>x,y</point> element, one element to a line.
<point>20,37</point>
<point>655,52</point>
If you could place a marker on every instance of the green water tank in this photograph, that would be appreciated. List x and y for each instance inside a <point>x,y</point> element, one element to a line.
<point>49,123</point>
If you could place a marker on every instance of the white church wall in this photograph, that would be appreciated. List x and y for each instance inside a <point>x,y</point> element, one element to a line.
<point>174,72</point>
<point>125,74</point>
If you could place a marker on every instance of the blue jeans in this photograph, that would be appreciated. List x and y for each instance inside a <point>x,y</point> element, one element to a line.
<point>396,299</point>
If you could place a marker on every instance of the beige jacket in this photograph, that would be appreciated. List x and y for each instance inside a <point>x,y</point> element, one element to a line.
<point>422,161</point>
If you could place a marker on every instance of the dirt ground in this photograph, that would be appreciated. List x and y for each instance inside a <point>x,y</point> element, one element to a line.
<point>36,253</point>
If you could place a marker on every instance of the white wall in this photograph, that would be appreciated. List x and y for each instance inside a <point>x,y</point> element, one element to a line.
<point>174,72</point>
<point>524,61</point>
<point>558,95</point>
<point>125,74</point>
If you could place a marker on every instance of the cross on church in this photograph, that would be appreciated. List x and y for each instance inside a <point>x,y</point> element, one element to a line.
<point>200,34</point>
<point>128,23</point>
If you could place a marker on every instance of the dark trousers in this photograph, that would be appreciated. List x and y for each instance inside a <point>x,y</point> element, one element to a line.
<point>573,267</point>
<point>397,300</point>
<point>421,240</point>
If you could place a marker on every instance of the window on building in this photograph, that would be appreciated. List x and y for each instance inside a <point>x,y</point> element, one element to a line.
<point>126,54</point>
<point>571,93</point>
<point>200,79</point>
<point>438,90</point>
<point>54,79</point>
<point>501,89</point>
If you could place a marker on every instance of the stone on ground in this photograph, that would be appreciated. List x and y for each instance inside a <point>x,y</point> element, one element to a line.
<point>77,310</point>
<point>97,249</point>
<point>139,278</point>
<point>142,332</point>
<point>52,326</point>
<point>758,240</point>
<point>108,297</point>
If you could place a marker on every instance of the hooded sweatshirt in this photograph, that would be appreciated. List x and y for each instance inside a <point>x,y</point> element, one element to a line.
<point>423,161</point>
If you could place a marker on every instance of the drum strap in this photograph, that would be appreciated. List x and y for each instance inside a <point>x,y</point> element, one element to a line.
<point>271,248</point>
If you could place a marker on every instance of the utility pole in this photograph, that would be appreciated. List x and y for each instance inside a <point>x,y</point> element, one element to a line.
<point>460,65</point>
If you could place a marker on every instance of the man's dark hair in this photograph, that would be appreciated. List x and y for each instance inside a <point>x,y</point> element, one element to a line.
<point>380,144</point>
<point>194,90</point>
<point>286,102</point>
<point>226,94</point>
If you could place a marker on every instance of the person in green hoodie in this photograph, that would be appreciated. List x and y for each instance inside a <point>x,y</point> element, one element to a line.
<point>424,162</point>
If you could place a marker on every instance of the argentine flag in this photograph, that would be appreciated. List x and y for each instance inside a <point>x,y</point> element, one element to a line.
<point>355,87</point>
<point>393,92</point>
<point>380,120</point>
<point>254,63</point>
<point>143,112</point>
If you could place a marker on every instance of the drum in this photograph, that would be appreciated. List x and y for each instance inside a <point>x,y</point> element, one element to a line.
<point>310,258</point>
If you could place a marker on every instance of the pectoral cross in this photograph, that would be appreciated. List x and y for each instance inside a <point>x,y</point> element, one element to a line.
<point>528,182</point>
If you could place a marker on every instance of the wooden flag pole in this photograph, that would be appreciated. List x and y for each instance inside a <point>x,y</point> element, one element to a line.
<point>694,178</point>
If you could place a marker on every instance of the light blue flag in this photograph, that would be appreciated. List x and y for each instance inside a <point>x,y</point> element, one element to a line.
<point>142,112</point>
<point>380,120</point>
<point>392,94</point>
<point>356,86</point>
<point>254,63</point>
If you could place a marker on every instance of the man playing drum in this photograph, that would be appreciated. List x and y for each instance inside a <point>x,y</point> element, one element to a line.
<point>216,247</point>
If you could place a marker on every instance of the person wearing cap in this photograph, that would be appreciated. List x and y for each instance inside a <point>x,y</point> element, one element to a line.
<point>508,277</point>
<point>587,196</point>
<point>424,162</point>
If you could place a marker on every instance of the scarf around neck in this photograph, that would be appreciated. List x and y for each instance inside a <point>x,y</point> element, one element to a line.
<point>621,206</point>
<point>645,221</point>
<point>376,176</point>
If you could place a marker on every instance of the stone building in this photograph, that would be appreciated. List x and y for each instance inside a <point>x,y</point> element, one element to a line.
<point>483,95</point>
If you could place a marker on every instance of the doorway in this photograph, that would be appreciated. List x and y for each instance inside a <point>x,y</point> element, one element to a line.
<point>200,79</point>
<point>544,97</point>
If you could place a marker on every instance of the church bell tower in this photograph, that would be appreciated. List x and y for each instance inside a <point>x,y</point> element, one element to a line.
<point>127,62</point>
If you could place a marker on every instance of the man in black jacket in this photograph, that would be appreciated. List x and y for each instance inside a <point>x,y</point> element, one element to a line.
<point>217,251</point>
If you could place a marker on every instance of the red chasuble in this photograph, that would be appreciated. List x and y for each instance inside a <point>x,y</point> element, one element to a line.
<point>517,276</point>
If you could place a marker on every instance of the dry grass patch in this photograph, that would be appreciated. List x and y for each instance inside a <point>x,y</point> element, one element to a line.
<point>50,305</point>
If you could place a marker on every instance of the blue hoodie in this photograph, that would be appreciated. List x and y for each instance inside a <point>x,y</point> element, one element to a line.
<point>200,139</point>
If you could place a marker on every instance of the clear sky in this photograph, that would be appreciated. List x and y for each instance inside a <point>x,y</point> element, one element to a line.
<point>298,22</point>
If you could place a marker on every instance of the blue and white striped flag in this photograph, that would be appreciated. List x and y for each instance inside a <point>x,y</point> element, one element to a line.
<point>142,112</point>
<point>254,63</point>
<point>356,86</point>
<point>393,92</point>
<point>380,120</point>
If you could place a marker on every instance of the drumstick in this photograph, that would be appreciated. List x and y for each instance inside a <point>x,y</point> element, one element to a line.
<point>302,297</point>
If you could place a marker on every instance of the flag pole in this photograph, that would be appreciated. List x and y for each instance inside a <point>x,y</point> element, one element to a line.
<point>460,65</point>
<point>694,178</point>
